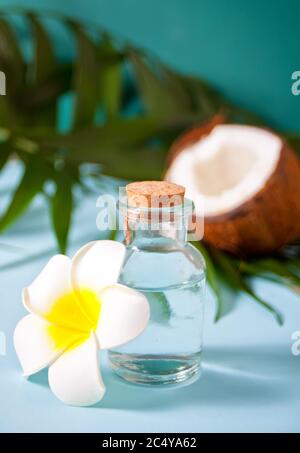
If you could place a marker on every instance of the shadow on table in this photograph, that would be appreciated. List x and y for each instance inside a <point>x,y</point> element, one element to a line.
<point>239,376</point>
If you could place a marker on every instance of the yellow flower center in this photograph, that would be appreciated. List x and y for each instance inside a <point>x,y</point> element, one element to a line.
<point>72,317</point>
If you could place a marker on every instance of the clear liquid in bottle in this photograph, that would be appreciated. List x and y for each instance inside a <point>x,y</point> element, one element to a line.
<point>171,273</point>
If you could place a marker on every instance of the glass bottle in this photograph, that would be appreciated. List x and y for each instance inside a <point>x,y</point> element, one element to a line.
<point>170,272</point>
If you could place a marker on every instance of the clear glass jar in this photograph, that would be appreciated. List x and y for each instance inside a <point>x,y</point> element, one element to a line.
<point>170,272</point>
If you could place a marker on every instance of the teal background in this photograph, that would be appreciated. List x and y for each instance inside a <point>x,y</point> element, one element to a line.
<point>248,50</point>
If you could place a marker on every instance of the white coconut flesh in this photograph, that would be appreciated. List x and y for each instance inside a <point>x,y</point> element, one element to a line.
<point>227,167</point>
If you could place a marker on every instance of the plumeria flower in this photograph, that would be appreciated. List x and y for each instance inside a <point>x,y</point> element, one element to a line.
<point>76,308</point>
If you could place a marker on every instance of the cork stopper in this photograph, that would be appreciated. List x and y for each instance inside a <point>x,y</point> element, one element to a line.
<point>154,194</point>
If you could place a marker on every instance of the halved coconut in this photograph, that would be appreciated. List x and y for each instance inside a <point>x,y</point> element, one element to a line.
<point>246,182</point>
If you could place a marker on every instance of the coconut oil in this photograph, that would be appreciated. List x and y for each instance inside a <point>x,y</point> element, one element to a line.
<point>171,273</point>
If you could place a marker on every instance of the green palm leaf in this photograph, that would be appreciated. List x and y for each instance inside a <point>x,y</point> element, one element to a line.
<point>42,69</point>
<point>5,151</point>
<point>128,109</point>
<point>85,78</point>
<point>110,78</point>
<point>236,280</point>
<point>61,208</point>
<point>35,174</point>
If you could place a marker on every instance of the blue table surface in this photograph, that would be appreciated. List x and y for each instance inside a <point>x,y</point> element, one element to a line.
<point>250,379</point>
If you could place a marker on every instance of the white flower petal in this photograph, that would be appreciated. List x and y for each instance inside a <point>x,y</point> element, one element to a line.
<point>36,348</point>
<point>97,264</point>
<point>52,283</point>
<point>51,296</point>
<point>124,315</point>
<point>75,377</point>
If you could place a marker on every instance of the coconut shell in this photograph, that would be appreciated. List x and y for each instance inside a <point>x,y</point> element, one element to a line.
<point>264,223</point>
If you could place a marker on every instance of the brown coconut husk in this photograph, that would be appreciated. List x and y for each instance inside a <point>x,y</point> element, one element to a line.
<point>264,223</point>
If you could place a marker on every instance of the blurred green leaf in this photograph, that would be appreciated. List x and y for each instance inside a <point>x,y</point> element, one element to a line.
<point>269,267</point>
<point>294,141</point>
<point>235,279</point>
<point>204,99</point>
<point>43,68</point>
<point>85,79</point>
<point>12,64</point>
<point>34,177</point>
<point>111,78</point>
<point>160,307</point>
<point>212,278</point>
<point>109,81</point>
<point>174,84</point>
<point>162,91</point>
<point>11,59</point>
<point>61,208</point>
<point>119,146</point>
<point>115,133</point>
<point>44,63</point>
<point>5,113</point>
<point>36,97</point>
<point>5,151</point>
<point>293,265</point>
<point>139,164</point>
